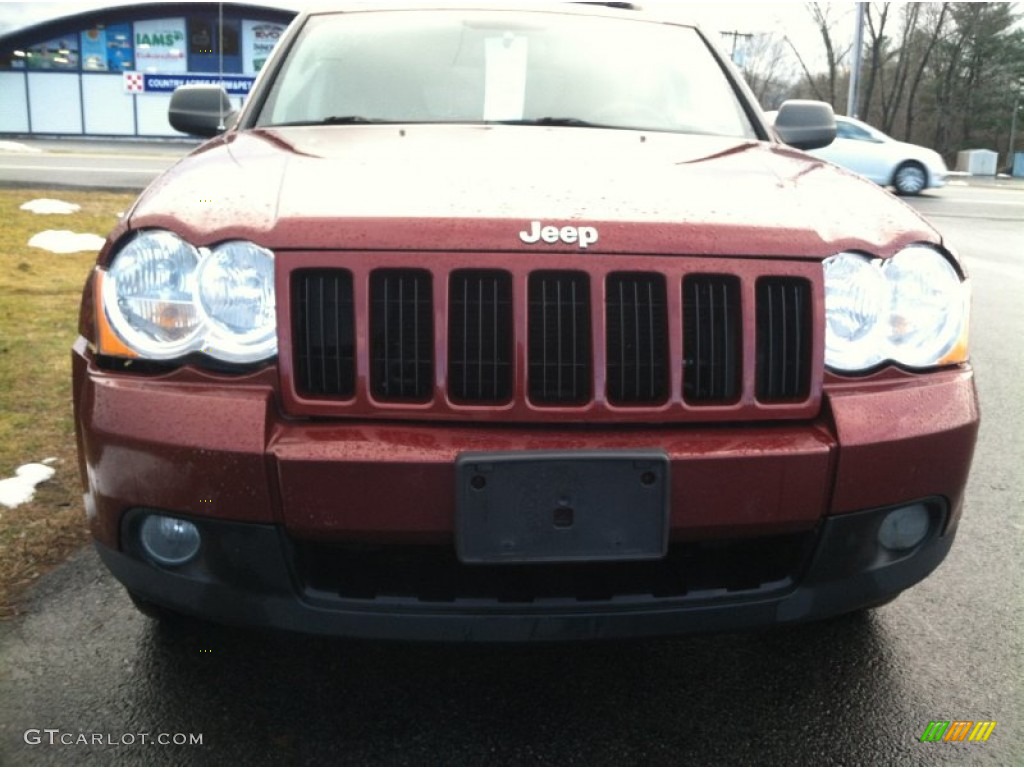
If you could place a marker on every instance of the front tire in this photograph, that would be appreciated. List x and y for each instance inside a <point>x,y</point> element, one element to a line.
<point>910,179</point>
<point>150,610</point>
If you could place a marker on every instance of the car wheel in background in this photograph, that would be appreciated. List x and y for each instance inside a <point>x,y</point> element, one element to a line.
<point>910,179</point>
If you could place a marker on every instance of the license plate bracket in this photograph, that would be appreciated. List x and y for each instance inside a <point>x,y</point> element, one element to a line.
<point>562,506</point>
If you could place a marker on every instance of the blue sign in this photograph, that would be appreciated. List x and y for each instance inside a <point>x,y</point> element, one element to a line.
<point>236,85</point>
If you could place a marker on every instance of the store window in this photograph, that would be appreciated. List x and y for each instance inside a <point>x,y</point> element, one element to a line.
<point>211,47</point>
<point>160,46</point>
<point>108,48</point>
<point>57,54</point>
<point>258,40</point>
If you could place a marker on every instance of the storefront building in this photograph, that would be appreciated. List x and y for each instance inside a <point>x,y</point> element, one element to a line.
<point>111,72</point>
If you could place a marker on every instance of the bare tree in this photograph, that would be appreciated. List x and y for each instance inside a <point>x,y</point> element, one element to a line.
<point>892,96</point>
<point>767,68</point>
<point>820,14</point>
<point>931,36</point>
<point>877,18</point>
<point>901,39</point>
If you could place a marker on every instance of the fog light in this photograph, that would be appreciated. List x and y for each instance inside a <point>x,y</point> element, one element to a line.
<point>168,540</point>
<point>904,528</point>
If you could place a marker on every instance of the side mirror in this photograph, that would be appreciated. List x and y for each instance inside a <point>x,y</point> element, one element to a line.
<point>806,124</point>
<point>202,110</point>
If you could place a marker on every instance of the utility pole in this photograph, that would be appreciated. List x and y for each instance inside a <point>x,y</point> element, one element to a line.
<point>855,56</point>
<point>735,38</point>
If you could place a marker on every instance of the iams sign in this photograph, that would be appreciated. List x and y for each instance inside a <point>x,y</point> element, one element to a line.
<point>166,39</point>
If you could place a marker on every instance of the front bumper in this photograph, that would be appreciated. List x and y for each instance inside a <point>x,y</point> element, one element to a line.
<point>252,582</point>
<point>218,451</point>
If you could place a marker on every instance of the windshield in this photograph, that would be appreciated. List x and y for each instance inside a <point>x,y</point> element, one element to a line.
<point>502,67</point>
<point>848,129</point>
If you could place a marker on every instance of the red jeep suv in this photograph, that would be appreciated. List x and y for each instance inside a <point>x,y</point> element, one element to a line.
<point>518,323</point>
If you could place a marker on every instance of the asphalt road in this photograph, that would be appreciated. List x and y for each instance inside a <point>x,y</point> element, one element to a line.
<point>96,164</point>
<point>82,666</point>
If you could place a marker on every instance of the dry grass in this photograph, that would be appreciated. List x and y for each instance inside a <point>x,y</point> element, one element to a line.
<point>39,298</point>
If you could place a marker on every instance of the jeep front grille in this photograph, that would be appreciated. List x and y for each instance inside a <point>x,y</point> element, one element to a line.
<point>645,339</point>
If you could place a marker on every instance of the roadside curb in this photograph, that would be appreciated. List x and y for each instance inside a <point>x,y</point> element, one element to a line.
<point>967,180</point>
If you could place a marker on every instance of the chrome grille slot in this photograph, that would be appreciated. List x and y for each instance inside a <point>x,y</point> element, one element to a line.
<point>480,336</point>
<point>712,339</point>
<point>636,338</point>
<point>783,339</point>
<point>401,334</point>
<point>560,367</point>
<point>323,323</point>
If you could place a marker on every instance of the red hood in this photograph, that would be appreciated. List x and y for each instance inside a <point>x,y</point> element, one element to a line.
<point>476,188</point>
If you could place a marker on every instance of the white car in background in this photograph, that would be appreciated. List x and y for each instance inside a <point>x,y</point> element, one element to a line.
<point>909,168</point>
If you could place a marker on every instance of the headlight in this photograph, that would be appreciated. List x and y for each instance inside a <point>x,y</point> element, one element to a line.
<point>148,295</point>
<point>162,299</point>
<point>236,300</point>
<point>856,299</point>
<point>911,309</point>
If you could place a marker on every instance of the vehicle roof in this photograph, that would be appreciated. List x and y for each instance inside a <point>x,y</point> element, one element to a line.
<point>623,10</point>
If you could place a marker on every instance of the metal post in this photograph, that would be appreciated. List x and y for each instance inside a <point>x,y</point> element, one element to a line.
<point>855,57</point>
<point>1013,127</point>
<point>220,58</point>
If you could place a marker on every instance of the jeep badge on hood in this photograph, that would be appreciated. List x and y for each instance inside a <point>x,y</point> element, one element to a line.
<point>551,234</point>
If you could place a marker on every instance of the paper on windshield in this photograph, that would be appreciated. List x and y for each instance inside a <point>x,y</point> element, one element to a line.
<point>505,78</point>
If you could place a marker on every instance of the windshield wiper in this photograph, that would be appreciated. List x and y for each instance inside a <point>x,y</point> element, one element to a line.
<point>573,122</point>
<point>362,120</point>
<point>337,120</point>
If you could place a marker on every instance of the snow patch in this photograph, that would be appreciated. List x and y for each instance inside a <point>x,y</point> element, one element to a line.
<point>64,241</point>
<point>19,489</point>
<point>17,146</point>
<point>46,205</point>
